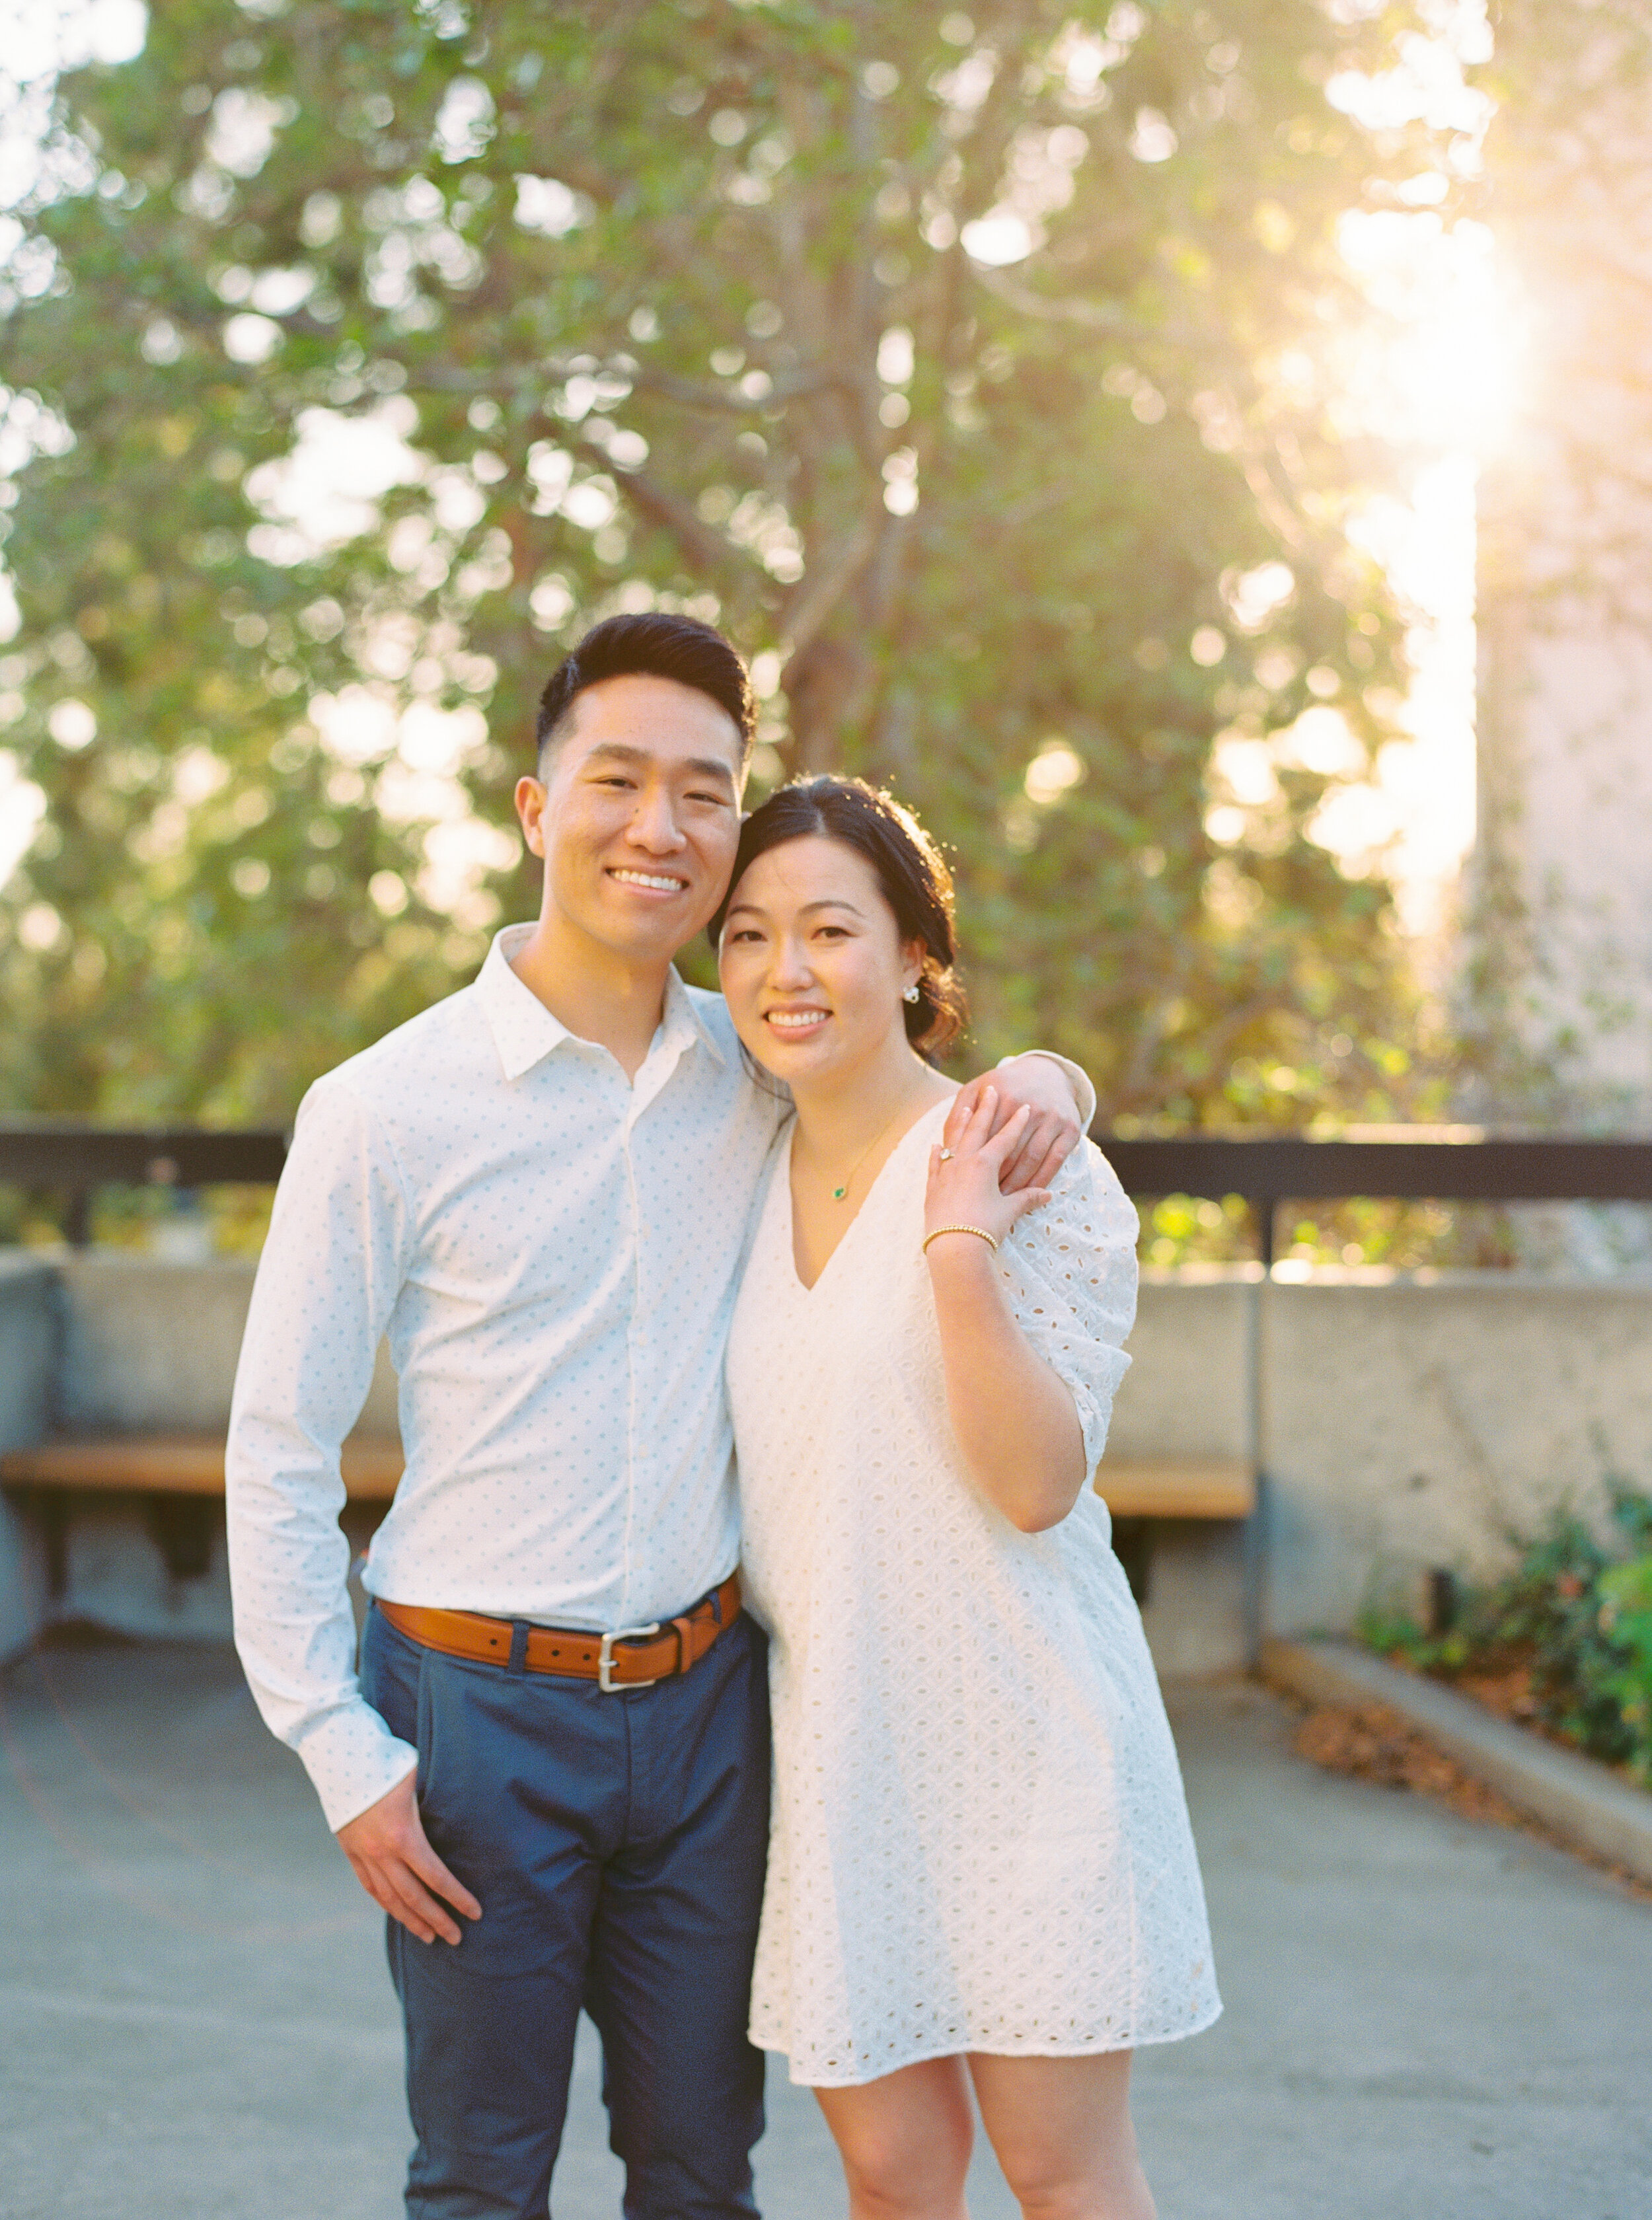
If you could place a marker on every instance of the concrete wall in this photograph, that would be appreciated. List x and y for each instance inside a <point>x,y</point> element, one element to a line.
<point>28,1334</point>
<point>146,1347</point>
<point>152,1347</point>
<point>1424,1420</point>
<point>1409,1422</point>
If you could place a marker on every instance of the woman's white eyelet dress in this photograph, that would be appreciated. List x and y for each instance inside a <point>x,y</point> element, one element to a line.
<point>980,1840</point>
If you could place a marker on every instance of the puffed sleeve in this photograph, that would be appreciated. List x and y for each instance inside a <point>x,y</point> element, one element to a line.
<point>1071,1272</point>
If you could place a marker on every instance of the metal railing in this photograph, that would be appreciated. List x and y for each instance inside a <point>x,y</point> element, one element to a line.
<point>1271,1168</point>
<point>73,1161</point>
<point>1268,1170</point>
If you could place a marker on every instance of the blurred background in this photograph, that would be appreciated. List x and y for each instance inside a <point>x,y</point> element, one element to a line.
<point>1199,456</point>
<point>1103,424</point>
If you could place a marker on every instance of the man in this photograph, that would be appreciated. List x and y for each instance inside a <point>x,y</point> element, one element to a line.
<point>553,1772</point>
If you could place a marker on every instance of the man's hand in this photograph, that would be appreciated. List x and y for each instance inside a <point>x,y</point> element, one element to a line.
<point>1039,1085</point>
<point>395,1863</point>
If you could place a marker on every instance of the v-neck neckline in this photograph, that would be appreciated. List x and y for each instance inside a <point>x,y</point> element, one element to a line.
<point>790,1230</point>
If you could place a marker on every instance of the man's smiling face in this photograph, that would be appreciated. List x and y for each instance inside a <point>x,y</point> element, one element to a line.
<point>638,816</point>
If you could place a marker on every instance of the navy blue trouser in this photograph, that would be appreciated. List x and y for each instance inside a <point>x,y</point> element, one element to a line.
<point>615,1844</point>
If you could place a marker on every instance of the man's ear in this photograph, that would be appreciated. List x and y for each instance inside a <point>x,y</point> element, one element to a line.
<point>530,811</point>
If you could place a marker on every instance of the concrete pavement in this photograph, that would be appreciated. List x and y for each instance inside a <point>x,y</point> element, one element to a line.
<point>1424,2017</point>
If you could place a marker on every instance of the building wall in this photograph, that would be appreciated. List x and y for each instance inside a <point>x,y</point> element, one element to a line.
<point>1562,903</point>
<point>1562,911</point>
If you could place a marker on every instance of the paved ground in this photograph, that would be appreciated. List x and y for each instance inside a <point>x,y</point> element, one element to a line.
<point>1425,2018</point>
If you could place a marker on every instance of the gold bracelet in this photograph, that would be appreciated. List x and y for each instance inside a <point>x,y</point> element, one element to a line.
<point>980,1232</point>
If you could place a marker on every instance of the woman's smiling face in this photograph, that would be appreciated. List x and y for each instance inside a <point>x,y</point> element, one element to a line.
<point>812,962</point>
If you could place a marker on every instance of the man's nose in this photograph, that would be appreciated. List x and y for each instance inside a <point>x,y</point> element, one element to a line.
<point>653,823</point>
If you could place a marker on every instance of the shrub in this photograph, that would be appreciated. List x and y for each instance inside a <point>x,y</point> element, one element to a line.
<point>1576,1611</point>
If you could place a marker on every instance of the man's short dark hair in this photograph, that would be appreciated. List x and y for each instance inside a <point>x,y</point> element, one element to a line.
<point>654,645</point>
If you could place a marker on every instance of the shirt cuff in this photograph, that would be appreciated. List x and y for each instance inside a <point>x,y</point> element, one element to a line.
<point>1075,1072</point>
<point>353,1759</point>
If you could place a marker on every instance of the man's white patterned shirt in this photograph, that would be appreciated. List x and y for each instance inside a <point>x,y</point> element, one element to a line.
<point>552,1252</point>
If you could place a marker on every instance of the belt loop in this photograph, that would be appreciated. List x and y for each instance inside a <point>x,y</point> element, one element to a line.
<point>518,1660</point>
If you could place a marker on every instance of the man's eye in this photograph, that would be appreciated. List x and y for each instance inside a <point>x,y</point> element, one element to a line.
<point>717,800</point>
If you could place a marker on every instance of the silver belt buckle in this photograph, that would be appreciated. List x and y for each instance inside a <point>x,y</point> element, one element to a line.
<point>605,1680</point>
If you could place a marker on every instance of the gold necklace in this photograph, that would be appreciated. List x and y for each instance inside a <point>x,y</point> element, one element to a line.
<point>839,1193</point>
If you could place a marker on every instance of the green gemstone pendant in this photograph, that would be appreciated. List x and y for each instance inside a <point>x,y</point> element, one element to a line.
<point>839,1193</point>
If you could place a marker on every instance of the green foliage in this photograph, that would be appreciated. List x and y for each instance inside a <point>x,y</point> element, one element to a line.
<point>1579,1611</point>
<point>669,306</point>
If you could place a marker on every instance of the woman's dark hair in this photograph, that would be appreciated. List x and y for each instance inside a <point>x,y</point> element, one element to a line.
<point>911,871</point>
<point>652,645</point>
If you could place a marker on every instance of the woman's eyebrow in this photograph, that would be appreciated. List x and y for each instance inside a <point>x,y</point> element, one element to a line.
<point>826,902</point>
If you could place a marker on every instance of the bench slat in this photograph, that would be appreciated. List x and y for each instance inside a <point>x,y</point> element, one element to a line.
<point>179,1465</point>
<point>193,1464</point>
<point>1178,1487</point>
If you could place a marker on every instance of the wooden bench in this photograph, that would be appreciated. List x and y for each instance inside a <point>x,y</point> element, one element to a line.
<point>193,1464</point>
<point>178,1476</point>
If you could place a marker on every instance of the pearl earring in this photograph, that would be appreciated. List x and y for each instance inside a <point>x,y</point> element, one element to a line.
<point>910,995</point>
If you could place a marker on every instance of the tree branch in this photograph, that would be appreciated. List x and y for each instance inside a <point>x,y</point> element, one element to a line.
<point>699,541</point>
<point>824,584</point>
<point>690,393</point>
<point>1092,315</point>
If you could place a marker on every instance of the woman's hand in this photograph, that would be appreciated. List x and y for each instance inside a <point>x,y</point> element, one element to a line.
<point>964,1169</point>
<point>1055,1125</point>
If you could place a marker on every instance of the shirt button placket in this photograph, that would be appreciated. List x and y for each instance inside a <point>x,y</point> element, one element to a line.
<point>634,1234</point>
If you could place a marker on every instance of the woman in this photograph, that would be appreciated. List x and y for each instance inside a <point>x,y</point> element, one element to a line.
<point>980,1869</point>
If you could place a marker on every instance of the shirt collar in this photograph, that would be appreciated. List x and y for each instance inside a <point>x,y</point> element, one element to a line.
<point>682,1025</point>
<point>524,1030</point>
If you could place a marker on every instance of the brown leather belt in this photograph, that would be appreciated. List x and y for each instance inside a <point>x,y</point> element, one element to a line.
<point>647,1654</point>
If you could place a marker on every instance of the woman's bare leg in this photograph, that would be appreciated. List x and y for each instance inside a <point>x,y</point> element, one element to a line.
<point>904,2141</point>
<point>1062,2129</point>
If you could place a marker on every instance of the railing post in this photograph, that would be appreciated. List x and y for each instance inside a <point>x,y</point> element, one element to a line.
<point>1255,1566</point>
<point>77,1217</point>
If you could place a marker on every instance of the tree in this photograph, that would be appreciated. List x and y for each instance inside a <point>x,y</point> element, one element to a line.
<point>972,371</point>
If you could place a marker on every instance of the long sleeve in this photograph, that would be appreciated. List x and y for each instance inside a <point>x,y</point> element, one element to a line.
<point>326,1282</point>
